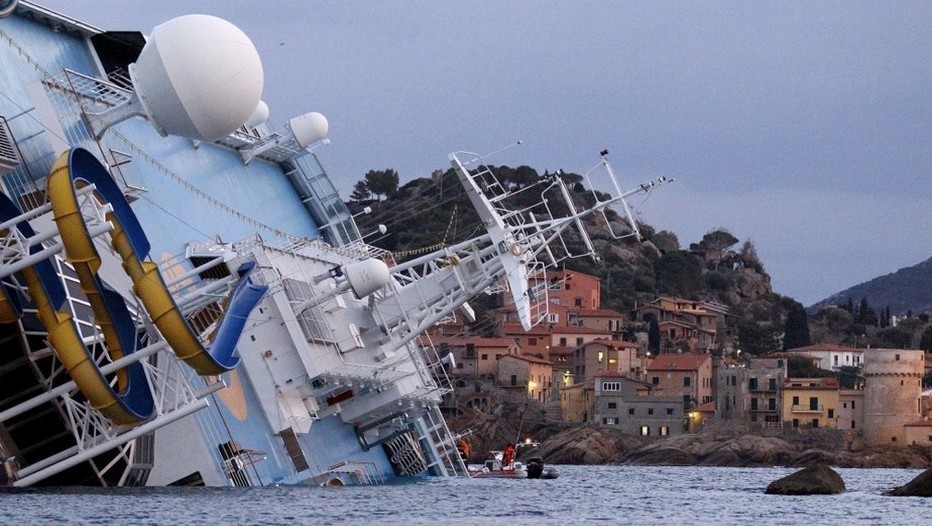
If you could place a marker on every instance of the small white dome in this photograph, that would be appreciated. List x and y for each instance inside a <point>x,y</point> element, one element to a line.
<point>198,76</point>
<point>309,128</point>
<point>260,115</point>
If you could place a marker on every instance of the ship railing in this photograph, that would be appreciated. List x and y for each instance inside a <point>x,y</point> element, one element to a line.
<point>363,471</point>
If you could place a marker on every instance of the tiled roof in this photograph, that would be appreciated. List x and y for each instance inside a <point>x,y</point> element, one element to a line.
<point>479,341</point>
<point>529,359</point>
<point>925,422</point>
<point>517,329</point>
<point>824,347</point>
<point>579,330</point>
<point>594,313</point>
<point>678,362</point>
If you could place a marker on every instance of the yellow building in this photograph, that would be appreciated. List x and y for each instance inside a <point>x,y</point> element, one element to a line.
<point>810,402</point>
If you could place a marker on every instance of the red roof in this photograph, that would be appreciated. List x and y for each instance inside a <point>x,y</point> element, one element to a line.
<point>615,344</point>
<point>579,330</point>
<point>479,341</point>
<point>678,362</point>
<point>529,359</point>
<point>517,329</point>
<point>925,422</point>
<point>558,350</point>
<point>597,313</point>
<point>708,407</point>
<point>824,347</point>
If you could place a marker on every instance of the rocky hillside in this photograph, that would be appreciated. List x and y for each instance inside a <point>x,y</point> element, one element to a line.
<point>427,213</point>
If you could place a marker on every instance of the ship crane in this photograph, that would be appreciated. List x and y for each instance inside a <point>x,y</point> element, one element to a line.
<point>515,251</point>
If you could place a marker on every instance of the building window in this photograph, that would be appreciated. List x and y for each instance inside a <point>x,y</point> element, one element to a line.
<point>815,422</point>
<point>897,359</point>
<point>578,302</point>
<point>645,431</point>
<point>579,341</point>
<point>752,384</point>
<point>630,410</point>
<point>795,400</point>
<point>813,403</point>
<point>532,341</point>
<point>669,410</point>
<point>650,410</point>
<point>754,404</point>
<point>562,342</point>
<point>852,404</point>
<point>612,405</point>
<point>611,386</point>
<point>795,423</point>
<point>772,404</point>
<point>664,431</point>
<point>852,424</point>
<point>610,421</point>
<point>485,357</point>
<point>687,381</point>
<point>553,318</point>
<point>831,413</point>
<point>772,384</point>
<point>844,405</point>
<point>514,380</point>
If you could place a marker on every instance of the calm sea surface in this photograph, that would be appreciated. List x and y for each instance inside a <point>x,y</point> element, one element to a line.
<point>582,495</point>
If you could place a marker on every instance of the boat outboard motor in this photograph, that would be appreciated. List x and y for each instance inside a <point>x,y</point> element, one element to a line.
<point>535,467</point>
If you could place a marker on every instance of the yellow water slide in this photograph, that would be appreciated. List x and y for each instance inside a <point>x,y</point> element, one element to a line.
<point>79,168</point>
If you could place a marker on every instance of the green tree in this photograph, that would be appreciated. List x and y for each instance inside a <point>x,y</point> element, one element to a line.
<point>925,343</point>
<point>757,339</point>
<point>796,330</point>
<point>895,337</point>
<point>714,246</point>
<point>382,182</point>
<point>653,337</point>
<point>360,191</point>
<point>678,273</point>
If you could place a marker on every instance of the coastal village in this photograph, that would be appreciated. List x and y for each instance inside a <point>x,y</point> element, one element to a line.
<point>582,365</point>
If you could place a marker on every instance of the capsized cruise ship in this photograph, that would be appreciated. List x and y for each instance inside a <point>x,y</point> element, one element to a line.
<point>186,300</point>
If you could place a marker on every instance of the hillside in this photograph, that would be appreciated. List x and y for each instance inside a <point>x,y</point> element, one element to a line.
<point>907,289</point>
<point>426,213</point>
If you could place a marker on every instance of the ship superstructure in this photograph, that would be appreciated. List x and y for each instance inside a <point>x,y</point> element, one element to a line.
<point>186,299</point>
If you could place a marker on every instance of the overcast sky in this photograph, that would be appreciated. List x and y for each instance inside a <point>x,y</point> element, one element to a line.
<point>805,128</point>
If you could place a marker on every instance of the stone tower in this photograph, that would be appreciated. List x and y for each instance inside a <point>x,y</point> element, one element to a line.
<point>892,389</point>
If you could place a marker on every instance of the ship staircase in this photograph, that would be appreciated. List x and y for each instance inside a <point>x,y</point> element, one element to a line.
<point>49,433</point>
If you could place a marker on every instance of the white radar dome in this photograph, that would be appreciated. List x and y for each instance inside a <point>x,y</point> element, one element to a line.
<point>198,76</point>
<point>367,276</point>
<point>259,115</point>
<point>309,128</point>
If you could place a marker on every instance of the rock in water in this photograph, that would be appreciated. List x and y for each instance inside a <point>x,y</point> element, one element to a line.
<point>817,479</point>
<point>920,486</point>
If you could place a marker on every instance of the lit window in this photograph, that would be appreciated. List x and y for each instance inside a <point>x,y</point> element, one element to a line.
<point>664,431</point>
<point>645,431</point>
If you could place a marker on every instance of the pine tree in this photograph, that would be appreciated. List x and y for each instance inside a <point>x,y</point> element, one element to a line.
<point>796,331</point>
<point>653,337</point>
<point>360,191</point>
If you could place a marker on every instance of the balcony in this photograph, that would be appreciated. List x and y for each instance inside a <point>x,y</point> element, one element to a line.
<point>808,408</point>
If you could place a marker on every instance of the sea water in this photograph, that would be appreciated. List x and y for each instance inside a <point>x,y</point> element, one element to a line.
<point>582,495</point>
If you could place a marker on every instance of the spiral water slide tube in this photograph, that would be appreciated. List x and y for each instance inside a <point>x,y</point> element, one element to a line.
<point>130,402</point>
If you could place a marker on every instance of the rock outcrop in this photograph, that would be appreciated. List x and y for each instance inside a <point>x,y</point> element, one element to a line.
<point>920,486</point>
<point>817,479</point>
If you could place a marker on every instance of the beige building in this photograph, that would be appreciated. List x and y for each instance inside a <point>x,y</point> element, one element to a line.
<point>477,356</point>
<point>851,412</point>
<point>919,433</point>
<point>531,375</point>
<point>810,402</point>
<point>892,391</point>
